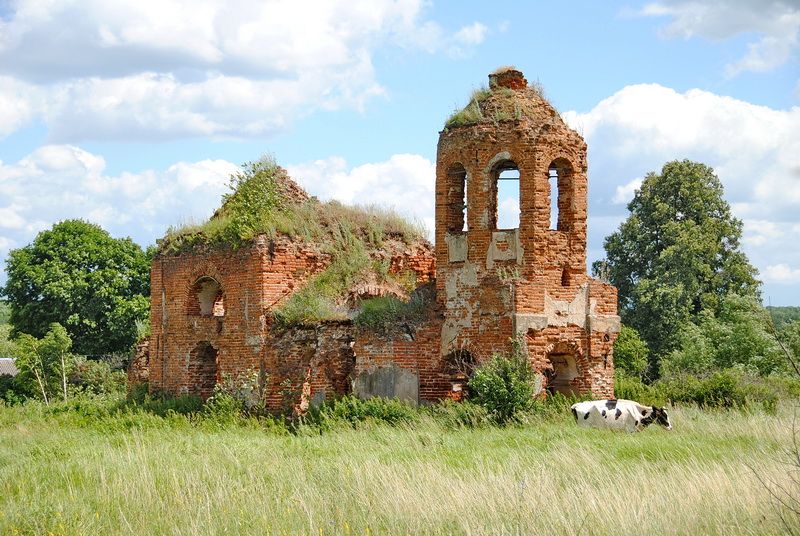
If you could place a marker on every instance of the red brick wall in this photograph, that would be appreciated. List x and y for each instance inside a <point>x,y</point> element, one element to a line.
<point>237,335</point>
<point>415,348</point>
<point>544,291</point>
<point>531,281</point>
<point>254,280</point>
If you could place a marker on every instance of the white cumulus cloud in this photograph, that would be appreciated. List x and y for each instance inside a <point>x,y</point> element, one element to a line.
<point>58,182</point>
<point>775,22</point>
<point>139,69</point>
<point>755,151</point>
<point>405,182</point>
<point>782,274</point>
<point>624,193</point>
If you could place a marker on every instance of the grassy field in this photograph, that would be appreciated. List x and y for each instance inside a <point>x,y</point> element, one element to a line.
<point>138,473</point>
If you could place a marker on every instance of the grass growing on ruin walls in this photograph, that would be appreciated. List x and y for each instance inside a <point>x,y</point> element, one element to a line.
<point>67,473</point>
<point>262,201</point>
<point>507,106</point>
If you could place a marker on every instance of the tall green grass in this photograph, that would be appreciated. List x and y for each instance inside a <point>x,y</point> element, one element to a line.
<point>84,470</point>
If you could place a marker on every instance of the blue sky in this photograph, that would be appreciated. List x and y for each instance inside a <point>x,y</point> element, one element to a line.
<point>132,114</point>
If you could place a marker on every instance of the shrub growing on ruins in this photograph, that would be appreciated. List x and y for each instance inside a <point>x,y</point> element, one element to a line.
<point>504,385</point>
<point>385,312</point>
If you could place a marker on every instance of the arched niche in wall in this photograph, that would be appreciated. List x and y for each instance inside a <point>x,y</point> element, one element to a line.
<point>457,201</point>
<point>559,176</point>
<point>206,298</point>
<point>202,370</point>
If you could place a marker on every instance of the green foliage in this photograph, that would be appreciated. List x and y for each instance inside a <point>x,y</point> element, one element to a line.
<point>721,389</point>
<point>790,337</point>
<point>261,201</point>
<point>254,197</point>
<point>14,390</point>
<point>96,378</point>
<point>381,314</point>
<point>677,254</point>
<point>631,388</point>
<point>76,274</point>
<point>237,396</point>
<point>162,404</point>
<point>739,334</point>
<point>320,298</point>
<point>5,312</point>
<point>350,411</point>
<point>783,316</point>
<point>45,363</point>
<point>630,352</point>
<point>7,346</point>
<point>504,385</point>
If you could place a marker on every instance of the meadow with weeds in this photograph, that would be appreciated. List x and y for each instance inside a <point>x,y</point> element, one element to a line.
<point>105,466</point>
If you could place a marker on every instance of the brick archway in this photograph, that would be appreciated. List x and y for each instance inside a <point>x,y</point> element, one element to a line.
<point>202,370</point>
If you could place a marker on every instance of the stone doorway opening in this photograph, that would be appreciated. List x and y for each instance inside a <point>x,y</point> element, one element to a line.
<point>202,370</point>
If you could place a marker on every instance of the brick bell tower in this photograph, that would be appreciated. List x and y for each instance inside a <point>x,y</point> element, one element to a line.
<point>504,271</point>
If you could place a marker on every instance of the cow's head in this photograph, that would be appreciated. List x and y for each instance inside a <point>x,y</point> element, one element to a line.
<point>660,416</point>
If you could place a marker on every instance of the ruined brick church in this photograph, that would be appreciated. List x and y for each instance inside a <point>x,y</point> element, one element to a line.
<point>212,308</point>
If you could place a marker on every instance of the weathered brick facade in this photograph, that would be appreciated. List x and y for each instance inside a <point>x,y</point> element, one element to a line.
<point>211,309</point>
<point>531,281</point>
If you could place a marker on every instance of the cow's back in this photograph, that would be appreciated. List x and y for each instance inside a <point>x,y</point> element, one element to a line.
<point>609,414</point>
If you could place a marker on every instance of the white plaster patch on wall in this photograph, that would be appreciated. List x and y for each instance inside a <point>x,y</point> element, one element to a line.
<point>456,247</point>
<point>564,313</point>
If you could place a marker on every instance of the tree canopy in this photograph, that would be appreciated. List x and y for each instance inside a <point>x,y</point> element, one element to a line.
<point>676,254</point>
<point>76,274</point>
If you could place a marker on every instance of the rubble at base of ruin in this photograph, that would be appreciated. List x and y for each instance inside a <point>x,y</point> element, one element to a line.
<point>211,308</point>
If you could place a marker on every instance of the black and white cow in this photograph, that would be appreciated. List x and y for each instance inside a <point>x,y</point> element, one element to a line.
<point>619,415</point>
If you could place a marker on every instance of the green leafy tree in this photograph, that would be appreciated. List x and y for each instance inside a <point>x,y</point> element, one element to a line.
<point>630,353</point>
<point>504,386</point>
<point>790,336</point>
<point>738,335</point>
<point>783,316</point>
<point>676,254</point>
<point>5,313</point>
<point>76,274</point>
<point>47,362</point>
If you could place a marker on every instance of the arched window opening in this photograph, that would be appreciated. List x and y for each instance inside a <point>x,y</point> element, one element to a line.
<point>457,204</point>
<point>206,298</point>
<point>553,180</point>
<point>559,176</point>
<point>565,278</point>
<point>507,196</point>
<point>202,370</point>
